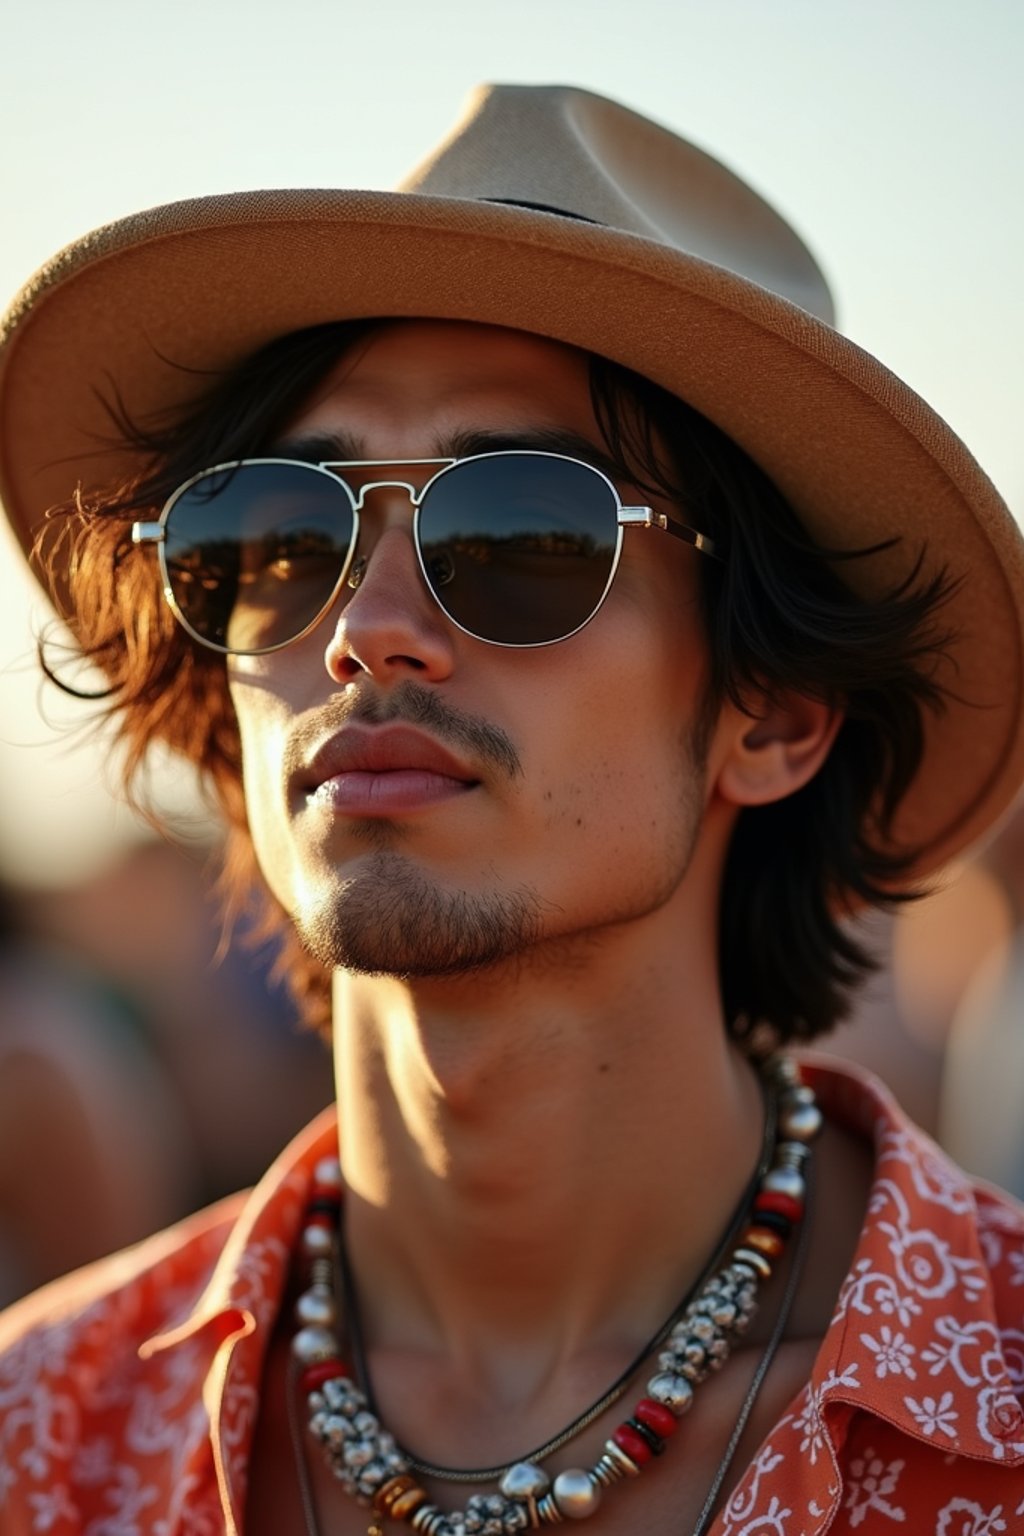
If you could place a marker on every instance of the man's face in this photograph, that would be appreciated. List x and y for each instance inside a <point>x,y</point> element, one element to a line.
<point>569,790</point>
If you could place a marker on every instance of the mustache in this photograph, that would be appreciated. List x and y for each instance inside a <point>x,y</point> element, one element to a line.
<point>412,704</point>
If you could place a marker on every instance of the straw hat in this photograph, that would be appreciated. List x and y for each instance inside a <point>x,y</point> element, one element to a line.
<point>554,211</point>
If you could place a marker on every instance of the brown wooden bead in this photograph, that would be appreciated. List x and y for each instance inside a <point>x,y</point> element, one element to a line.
<point>406,1505</point>
<point>389,1493</point>
<point>768,1243</point>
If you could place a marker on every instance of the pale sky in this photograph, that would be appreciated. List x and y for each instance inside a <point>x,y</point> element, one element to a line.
<point>890,132</point>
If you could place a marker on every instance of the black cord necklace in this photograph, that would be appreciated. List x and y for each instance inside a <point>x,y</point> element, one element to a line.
<point>620,1385</point>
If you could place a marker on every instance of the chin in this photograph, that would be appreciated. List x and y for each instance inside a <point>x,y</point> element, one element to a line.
<point>390,919</point>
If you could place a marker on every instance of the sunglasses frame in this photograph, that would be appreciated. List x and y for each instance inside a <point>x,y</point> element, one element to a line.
<point>626,517</point>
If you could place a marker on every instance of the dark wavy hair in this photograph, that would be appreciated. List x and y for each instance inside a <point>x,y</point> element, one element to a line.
<point>779,619</point>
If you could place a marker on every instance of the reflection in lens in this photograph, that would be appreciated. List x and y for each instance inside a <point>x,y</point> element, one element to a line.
<point>254,552</point>
<point>526,543</point>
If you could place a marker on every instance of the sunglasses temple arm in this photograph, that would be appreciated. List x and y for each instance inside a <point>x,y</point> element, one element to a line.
<point>646,517</point>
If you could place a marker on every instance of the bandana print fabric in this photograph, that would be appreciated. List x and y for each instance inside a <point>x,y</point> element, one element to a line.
<point>129,1391</point>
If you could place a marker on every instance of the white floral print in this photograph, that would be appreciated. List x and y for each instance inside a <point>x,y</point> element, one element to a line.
<point>935,1416</point>
<point>893,1352</point>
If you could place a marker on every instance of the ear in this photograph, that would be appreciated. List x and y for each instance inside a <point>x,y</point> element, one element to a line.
<point>777,750</point>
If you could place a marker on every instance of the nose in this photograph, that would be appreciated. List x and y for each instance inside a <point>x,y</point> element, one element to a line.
<point>389,627</point>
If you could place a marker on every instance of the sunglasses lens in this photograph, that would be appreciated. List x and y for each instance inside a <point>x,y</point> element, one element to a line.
<point>519,548</point>
<point>254,552</point>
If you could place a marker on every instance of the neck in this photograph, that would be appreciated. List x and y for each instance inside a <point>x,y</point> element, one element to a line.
<point>539,1164</point>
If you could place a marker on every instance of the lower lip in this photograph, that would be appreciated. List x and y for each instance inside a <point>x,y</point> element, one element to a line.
<point>385,794</point>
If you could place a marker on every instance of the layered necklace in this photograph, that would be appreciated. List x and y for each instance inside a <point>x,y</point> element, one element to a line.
<point>336,1398</point>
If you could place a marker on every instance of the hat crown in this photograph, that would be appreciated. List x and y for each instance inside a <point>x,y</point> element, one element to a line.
<point>568,151</point>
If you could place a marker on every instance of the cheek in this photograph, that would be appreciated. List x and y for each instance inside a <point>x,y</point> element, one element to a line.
<point>261,733</point>
<point>617,755</point>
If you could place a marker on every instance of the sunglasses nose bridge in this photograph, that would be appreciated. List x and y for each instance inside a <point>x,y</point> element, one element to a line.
<point>385,485</point>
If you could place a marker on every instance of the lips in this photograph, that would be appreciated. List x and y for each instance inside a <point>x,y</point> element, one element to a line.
<point>383,769</point>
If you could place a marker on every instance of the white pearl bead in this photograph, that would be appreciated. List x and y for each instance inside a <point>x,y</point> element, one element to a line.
<point>316,1241</point>
<point>315,1307</point>
<point>576,1495</point>
<point>799,1122</point>
<point>328,1172</point>
<point>785,1181</point>
<point>312,1344</point>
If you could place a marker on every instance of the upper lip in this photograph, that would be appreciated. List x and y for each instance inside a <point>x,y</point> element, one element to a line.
<point>382,749</point>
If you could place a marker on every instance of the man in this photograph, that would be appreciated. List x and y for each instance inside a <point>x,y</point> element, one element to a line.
<point>565,720</point>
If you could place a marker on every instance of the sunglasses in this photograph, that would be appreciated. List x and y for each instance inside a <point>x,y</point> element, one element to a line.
<point>517,548</point>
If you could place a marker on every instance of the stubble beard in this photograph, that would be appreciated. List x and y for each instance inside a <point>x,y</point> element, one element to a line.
<point>393,920</point>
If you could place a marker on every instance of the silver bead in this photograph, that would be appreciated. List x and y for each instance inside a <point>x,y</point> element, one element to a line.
<point>359,1453</point>
<point>549,1512</point>
<point>336,1432</point>
<point>621,1458</point>
<point>316,1241</point>
<point>576,1493</point>
<point>427,1520</point>
<point>800,1122</point>
<point>313,1344</point>
<point>316,1307</point>
<point>702,1328</point>
<point>718,1354</point>
<point>792,1154</point>
<point>784,1070</point>
<point>321,1272</point>
<point>743,1280</point>
<point>673,1392</point>
<point>343,1395</point>
<point>784,1181</point>
<point>328,1173</point>
<point>525,1481</point>
<point>370,1478</point>
<point>608,1472</point>
<point>755,1260</point>
<point>724,1313</point>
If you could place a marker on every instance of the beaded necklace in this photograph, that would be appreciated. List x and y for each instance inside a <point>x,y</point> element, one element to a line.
<point>371,1466</point>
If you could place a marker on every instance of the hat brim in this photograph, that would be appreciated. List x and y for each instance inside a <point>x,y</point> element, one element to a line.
<point>149,307</point>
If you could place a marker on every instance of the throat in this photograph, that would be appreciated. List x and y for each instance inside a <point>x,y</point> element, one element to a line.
<point>382,1442</point>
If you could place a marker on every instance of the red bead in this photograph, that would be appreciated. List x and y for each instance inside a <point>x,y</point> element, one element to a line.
<point>324,1370</point>
<point>634,1445</point>
<point>656,1416</point>
<point>319,1219</point>
<point>326,1192</point>
<point>782,1205</point>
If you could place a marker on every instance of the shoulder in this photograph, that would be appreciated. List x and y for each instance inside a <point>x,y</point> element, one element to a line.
<point>921,1374</point>
<point>84,1416</point>
<point>126,1385</point>
<point>142,1286</point>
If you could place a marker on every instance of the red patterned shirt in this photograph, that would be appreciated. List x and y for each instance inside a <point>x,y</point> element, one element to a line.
<point>129,1391</point>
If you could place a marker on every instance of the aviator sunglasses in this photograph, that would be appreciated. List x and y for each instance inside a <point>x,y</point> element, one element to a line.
<point>517,548</point>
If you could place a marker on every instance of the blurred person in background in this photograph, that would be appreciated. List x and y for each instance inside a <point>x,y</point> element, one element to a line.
<point>981,1104</point>
<point>225,1037</point>
<point>928,955</point>
<point>94,1149</point>
<point>574,629</point>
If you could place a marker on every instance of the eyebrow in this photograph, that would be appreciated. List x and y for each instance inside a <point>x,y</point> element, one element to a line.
<point>463,443</point>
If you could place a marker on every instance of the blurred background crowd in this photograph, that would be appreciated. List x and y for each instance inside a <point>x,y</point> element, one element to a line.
<point>138,1076</point>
